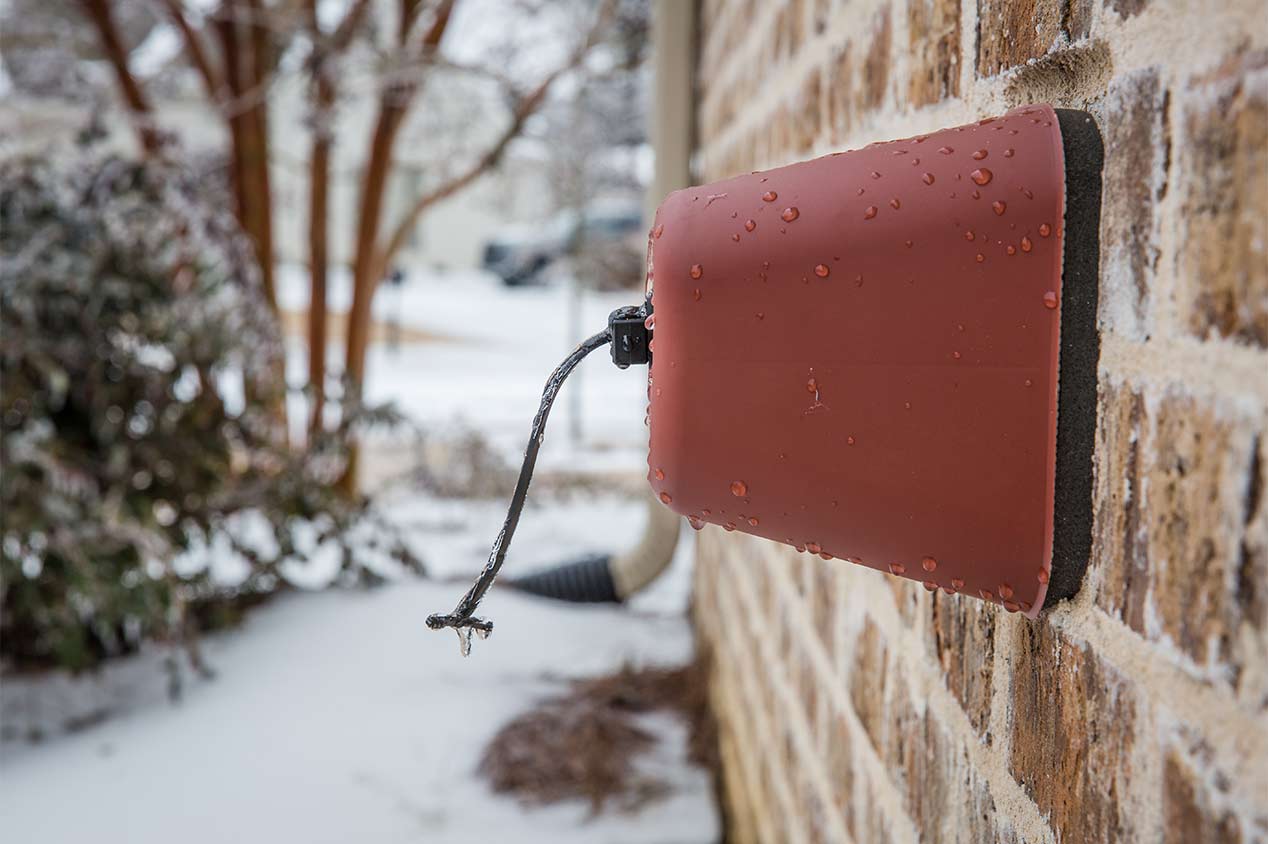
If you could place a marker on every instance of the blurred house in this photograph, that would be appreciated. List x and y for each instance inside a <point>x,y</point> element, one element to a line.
<point>53,84</point>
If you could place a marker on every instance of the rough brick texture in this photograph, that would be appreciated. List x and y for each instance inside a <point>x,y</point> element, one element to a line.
<point>857,707</point>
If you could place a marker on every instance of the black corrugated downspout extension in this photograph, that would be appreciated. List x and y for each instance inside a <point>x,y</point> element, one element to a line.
<point>585,581</point>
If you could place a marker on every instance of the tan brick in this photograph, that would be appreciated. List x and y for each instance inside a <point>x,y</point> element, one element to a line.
<point>1119,544</point>
<point>868,681</point>
<point>1181,533</point>
<point>928,764</point>
<point>1189,817</point>
<point>1224,165</point>
<point>1078,18</point>
<point>840,83</point>
<point>823,601</point>
<point>809,114</point>
<point>1011,32</point>
<point>934,46</point>
<point>840,767</point>
<point>1197,475</point>
<point>964,645</point>
<point>1180,544</point>
<point>1133,121</point>
<point>1073,733</point>
<point>874,80</point>
<point>1128,8</point>
<point>1252,571</point>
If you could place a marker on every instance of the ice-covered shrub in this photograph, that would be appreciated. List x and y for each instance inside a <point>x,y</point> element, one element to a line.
<point>140,402</point>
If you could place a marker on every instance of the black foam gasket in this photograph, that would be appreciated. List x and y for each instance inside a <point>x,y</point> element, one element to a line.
<point>1080,353</point>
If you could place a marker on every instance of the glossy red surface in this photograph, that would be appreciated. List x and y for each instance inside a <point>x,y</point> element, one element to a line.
<point>871,369</point>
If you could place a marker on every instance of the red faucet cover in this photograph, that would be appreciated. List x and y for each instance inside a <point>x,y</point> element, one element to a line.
<point>858,356</point>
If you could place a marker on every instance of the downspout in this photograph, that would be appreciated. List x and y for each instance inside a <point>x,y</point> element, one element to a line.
<point>614,578</point>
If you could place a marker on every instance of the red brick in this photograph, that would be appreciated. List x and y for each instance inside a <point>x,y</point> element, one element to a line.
<point>1011,32</point>
<point>964,645</point>
<point>1073,733</point>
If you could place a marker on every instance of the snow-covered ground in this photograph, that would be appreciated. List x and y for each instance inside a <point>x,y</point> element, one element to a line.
<point>337,716</point>
<point>497,346</point>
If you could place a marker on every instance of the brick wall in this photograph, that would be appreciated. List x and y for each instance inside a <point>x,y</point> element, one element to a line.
<point>857,707</point>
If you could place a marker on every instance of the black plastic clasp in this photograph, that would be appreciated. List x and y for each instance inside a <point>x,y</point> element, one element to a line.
<point>631,338</point>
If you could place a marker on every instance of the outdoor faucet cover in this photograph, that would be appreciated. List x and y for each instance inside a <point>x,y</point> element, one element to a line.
<point>888,355</point>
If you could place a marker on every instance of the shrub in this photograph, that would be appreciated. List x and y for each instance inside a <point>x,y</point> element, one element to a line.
<point>140,410</point>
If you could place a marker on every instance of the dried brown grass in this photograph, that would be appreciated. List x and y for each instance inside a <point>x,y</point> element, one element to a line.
<point>584,744</point>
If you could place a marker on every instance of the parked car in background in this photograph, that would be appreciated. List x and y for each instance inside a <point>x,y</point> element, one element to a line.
<point>519,253</point>
<point>605,246</point>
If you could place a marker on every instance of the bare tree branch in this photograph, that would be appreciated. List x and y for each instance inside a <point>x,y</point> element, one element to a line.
<point>197,54</point>
<point>325,49</point>
<point>490,158</point>
<point>112,42</point>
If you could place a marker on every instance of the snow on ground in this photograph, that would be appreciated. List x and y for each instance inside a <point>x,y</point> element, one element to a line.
<point>499,345</point>
<point>337,716</point>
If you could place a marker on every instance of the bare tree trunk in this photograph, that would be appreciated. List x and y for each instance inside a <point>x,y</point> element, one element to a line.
<point>369,214</point>
<point>259,63</point>
<point>249,138</point>
<point>366,268</point>
<point>318,258</point>
<point>112,42</point>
